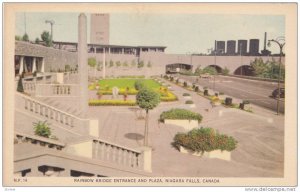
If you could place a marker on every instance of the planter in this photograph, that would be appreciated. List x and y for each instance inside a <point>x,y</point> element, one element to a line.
<point>187,97</point>
<point>186,124</point>
<point>192,105</point>
<point>224,155</point>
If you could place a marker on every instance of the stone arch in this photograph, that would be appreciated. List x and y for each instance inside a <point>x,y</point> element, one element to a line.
<point>246,70</point>
<point>217,67</point>
<point>178,67</point>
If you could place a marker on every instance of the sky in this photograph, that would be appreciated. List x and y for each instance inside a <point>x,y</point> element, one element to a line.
<point>180,33</point>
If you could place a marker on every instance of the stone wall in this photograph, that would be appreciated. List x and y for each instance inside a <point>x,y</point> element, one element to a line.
<point>54,58</point>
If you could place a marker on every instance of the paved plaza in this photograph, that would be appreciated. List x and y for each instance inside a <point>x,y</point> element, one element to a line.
<point>260,137</point>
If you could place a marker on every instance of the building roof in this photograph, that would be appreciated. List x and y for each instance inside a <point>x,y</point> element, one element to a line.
<point>112,46</point>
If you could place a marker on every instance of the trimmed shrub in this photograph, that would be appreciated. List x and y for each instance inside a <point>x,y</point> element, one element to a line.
<point>185,84</point>
<point>42,129</point>
<point>186,94</point>
<point>20,86</point>
<point>189,102</point>
<point>138,84</point>
<point>205,139</point>
<point>95,102</point>
<point>196,89</point>
<point>180,114</point>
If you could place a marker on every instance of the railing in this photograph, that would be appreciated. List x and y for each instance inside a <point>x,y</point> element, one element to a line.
<point>57,90</point>
<point>48,112</point>
<point>29,86</point>
<point>24,138</point>
<point>113,153</point>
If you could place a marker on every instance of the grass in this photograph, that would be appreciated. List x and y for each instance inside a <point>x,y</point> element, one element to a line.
<point>124,83</point>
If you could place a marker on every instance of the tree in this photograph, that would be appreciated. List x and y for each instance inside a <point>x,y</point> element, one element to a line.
<point>138,85</point>
<point>18,38</point>
<point>149,64</point>
<point>25,37</point>
<point>210,70</point>
<point>198,71</point>
<point>111,63</point>
<point>147,99</point>
<point>133,63</point>
<point>260,68</point>
<point>46,37</point>
<point>225,71</point>
<point>92,62</point>
<point>125,64</point>
<point>118,63</point>
<point>141,64</point>
<point>37,40</point>
<point>20,85</point>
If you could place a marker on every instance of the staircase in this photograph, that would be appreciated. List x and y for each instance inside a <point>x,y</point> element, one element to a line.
<point>75,151</point>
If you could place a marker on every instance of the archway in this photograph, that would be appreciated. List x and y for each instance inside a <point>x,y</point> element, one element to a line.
<point>218,68</point>
<point>246,70</point>
<point>178,67</point>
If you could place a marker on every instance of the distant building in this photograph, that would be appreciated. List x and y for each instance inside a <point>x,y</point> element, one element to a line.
<point>231,46</point>
<point>254,47</point>
<point>99,29</point>
<point>242,47</point>
<point>220,47</point>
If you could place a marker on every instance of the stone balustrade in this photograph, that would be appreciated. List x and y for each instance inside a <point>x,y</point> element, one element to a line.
<point>45,142</point>
<point>65,119</point>
<point>48,90</point>
<point>29,86</point>
<point>120,155</point>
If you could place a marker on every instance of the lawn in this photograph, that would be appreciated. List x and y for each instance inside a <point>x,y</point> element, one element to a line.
<point>124,83</point>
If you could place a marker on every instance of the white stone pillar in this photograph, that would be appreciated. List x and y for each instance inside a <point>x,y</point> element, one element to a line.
<point>34,65</point>
<point>147,154</point>
<point>43,65</point>
<point>82,63</point>
<point>103,65</point>
<point>21,65</point>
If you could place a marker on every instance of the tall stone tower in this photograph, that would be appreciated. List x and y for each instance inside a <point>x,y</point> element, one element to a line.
<point>99,29</point>
<point>82,63</point>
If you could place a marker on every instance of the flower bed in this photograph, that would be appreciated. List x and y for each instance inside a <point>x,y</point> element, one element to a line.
<point>97,102</point>
<point>180,114</point>
<point>204,140</point>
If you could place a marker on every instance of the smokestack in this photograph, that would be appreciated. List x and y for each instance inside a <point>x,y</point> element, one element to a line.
<point>265,41</point>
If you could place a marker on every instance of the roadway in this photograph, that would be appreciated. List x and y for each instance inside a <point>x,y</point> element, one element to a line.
<point>257,92</point>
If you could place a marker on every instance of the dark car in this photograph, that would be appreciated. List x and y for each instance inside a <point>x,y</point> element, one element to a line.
<point>275,93</point>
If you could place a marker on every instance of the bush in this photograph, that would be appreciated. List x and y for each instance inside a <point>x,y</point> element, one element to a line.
<point>168,96</point>
<point>185,84</point>
<point>196,89</point>
<point>95,102</point>
<point>180,114</point>
<point>20,85</point>
<point>186,94</point>
<point>189,102</point>
<point>138,85</point>
<point>42,129</point>
<point>205,139</point>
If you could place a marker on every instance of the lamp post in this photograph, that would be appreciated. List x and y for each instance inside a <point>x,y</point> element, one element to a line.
<point>280,41</point>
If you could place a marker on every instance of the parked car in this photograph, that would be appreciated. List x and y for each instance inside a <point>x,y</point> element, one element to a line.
<point>275,93</point>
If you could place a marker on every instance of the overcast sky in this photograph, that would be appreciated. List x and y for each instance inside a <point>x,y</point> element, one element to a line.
<point>180,33</point>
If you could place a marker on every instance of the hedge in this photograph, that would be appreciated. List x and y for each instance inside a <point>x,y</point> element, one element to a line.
<point>168,97</point>
<point>180,114</point>
<point>205,139</point>
<point>121,92</point>
<point>189,102</point>
<point>96,102</point>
